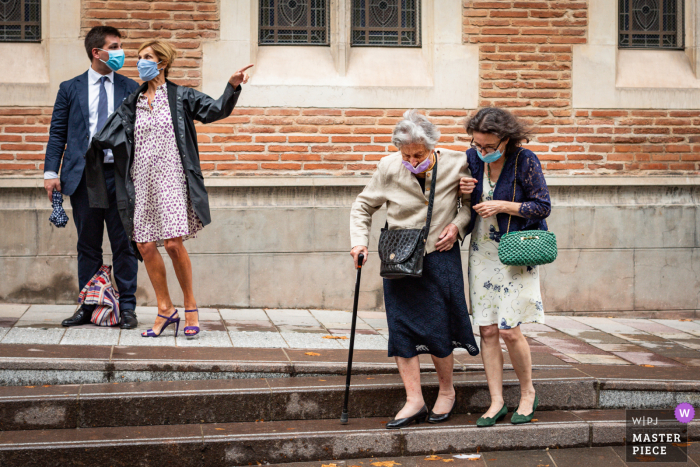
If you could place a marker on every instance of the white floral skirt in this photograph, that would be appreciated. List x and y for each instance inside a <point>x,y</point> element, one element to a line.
<point>500,294</point>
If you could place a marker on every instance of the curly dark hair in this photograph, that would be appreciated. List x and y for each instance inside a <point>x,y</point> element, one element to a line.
<point>499,122</point>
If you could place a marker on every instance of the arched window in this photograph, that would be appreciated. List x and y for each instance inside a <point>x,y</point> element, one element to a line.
<point>386,23</point>
<point>293,22</point>
<point>20,20</point>
<point>651,24</point>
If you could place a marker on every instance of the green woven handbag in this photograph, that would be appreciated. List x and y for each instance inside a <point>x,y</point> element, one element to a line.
<point>526,247</point>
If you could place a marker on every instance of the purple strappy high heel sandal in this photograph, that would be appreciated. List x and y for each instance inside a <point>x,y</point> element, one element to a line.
<point>168,322</point>
<point>192,328</point>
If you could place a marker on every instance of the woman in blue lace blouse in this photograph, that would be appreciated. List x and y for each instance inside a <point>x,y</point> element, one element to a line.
<point>503,297</point>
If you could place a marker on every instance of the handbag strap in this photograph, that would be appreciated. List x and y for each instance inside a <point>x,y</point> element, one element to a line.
<point>432,198</point>
<point>515,179</point>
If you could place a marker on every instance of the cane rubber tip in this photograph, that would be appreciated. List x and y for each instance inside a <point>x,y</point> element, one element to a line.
<point>344,419</point>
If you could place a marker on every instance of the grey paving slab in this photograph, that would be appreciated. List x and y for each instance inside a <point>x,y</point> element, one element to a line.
<point>94,336</point>
<point>292,317</point>
<point>358,325</point>
<point>46,324</point>
<point>205,339</point>
<point>265,340</point>
<point>376,323</point>
<point>236,325</point>
<point>11,310</point>
<point>33,336</point>
<point>332,316</point>
<point>133,337</point>
<point>306,340</point>
<point>367,342</point>
<point>3,331</point>
<point>595,359</point>
<point>43,317</point>
<point>607,325</point>
<point>243,314</point>
<point>146,310</point>
<point>67,310</point>
<point>371,314</point>
<point>690,327</point>
<point>564,323</point>
<point>302,329</point>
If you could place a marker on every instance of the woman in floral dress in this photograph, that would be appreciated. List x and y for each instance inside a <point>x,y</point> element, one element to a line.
<point>503,297</point>
<point>162,200</point>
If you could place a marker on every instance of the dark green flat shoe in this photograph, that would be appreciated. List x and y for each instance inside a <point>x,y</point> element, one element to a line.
<point>491,421</point>
<point>516,419</point>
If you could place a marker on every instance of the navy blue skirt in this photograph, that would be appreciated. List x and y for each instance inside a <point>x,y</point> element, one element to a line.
<point>429,314</point>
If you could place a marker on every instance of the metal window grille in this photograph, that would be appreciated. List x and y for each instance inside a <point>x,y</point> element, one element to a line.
<point>386,23</point>
<point>20,20</point>
<point>293,22</point>
<point>651,24</point>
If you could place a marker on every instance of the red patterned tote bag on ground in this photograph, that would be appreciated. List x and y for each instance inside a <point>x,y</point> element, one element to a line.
<point>99,291</point>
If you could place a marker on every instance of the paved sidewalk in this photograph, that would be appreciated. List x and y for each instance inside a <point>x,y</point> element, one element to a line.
<point>572,339</point>
<point>594,457</point>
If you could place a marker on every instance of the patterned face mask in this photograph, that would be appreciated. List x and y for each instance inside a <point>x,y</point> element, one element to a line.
<point>58,216</point>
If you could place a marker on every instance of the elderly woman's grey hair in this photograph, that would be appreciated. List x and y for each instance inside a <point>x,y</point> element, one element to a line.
<point>415,128</point>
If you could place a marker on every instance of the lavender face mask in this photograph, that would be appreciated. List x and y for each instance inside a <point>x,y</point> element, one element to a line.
<point>422,167</point>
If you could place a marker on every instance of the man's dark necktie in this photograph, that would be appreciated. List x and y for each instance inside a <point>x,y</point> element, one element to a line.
<point>102,107</point>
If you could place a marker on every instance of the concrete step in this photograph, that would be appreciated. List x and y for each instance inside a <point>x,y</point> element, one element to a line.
<point>248,400</point>
<point>283,442</point>
<point>27,365</point>
<point>315,398</point>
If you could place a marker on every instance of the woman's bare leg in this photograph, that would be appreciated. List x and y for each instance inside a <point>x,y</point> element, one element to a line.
<point>183,270</point>
<point>446,394</point>
<point>492,356</point>
<point>520,357</point>
<point>156,273</point>
<point>409,369</point>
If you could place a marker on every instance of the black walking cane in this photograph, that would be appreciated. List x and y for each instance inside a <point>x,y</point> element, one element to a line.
<point>344,415</point>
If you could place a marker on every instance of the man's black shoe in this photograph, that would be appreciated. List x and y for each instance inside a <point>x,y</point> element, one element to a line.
<point>128,319</point>
<point>82,316</point>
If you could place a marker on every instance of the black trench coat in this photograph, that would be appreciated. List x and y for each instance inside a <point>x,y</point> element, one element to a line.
<point>186,106</point>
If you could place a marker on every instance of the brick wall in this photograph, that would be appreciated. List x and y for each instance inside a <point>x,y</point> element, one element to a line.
<point>183,23</point>
<point>526,51</point>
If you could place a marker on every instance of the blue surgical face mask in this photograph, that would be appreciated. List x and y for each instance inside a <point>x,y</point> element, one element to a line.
<point>116,59</point>
<point>488,158</point>
<point>147,69</point>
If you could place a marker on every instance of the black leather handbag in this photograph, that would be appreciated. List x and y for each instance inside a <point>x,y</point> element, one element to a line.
<point>401,251</point>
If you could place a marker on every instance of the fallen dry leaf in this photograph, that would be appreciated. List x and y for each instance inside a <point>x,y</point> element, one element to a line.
<point>448,460</point>
<point>433,458</point>
<point>220,429</point>
<point>649,366</point>
<point>329,465</point>
<point>685,319</point>
<point>334,337</point>
<point>385,464</point>
<point>312,354</point>
<point>370,378</point>
<point>534,420</point>
<point>321,379</point>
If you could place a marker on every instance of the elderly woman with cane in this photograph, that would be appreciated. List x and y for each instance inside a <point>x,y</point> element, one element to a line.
<point>160,188</point>
<point>508,194</point>
<point>426,312</point>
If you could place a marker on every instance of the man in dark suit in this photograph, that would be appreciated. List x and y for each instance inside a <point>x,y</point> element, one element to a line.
<point>81,110</point>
